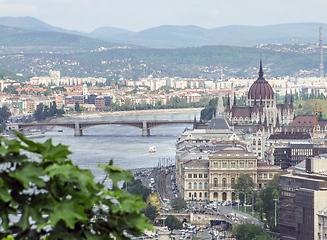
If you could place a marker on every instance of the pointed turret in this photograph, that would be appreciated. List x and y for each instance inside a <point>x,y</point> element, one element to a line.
<point>277,122</point>
<point>291,103</point>
<point>220,106</point>
<point>232,103</point>
<point>228,104</point>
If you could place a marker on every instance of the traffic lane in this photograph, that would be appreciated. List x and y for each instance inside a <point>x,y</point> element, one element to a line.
<point>229,212</point>
<point>204,234</point>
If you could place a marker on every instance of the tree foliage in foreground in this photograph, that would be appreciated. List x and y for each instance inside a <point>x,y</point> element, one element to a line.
<point>244,184</point>
<point>48,197</point>
<point>137,188</point>
<point>249,232</point>
<point>173,223</point>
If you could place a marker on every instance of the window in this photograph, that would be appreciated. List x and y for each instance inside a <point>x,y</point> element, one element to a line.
<point>189,175</point>
<point>215,195</point>
<point>200,175</point>
<point>224,182</point>
<point>215,164</point>
<point>205,194</point>
<point>260,185</point>
<point>200,185</point>
<point>200,194</point>
<point>195,175</point>
<point>215,182</point>
<point>265,175</point>
<point>232,165</point>
<point>195,185</point>
<point>233,181</point>
<point>189,185</point>
<point>224,165</point>
<point>189,195</point>
<point>194,194</point>
<point>206,175</point>
<point>270,175</point>
<point>260,175</point>
<point>241,164</point>
<point>250,164</point>
<point>205,185</point>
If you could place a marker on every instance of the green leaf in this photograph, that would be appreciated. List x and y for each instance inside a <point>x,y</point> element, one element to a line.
<point>28,172</point>
<point>116,174</point>
<point>69,212</point>
<point>4,195</point>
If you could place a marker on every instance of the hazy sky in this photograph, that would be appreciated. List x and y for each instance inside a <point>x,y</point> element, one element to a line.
<point>136,15</point>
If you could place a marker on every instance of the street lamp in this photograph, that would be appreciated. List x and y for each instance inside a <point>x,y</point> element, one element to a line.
<point>252,203</point>
<point>275,212</point>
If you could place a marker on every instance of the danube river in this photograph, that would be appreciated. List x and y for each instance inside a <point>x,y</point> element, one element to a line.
<point>124,144</point>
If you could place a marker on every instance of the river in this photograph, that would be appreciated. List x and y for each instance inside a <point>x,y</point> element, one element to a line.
<point>124,144</point>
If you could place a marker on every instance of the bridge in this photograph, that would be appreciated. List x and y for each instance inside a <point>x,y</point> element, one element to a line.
<point>207,219</point>
<point>78,126</point>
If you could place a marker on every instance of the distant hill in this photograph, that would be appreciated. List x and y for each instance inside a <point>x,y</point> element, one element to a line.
<point>15,40</point>
<point>244,36</point>
<point>109,31</point>
<point>168,36</point>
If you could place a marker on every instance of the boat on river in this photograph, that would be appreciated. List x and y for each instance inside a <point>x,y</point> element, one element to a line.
<point>152,149</point>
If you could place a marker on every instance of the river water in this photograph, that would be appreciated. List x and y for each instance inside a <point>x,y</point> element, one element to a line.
<point>124,144</point>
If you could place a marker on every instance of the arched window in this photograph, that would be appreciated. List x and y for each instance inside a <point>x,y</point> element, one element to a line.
<point>215,182</point>
<point>224,196</point>
<point>215,195</point>
<point>233,196</point>
<point>233,181</point>
<point>194,194</point>
<point>200,194</point>
<point>189,185</point>
<point>200,185</point>
<point>205,185</point>
<point>224,182</point>
<point>215,164</point>
<point>195,185</point>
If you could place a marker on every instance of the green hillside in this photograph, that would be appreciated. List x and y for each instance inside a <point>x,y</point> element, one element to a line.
<point>15,40</point>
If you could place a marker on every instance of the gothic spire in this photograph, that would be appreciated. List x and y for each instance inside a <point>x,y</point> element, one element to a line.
<point>220,106</point>
<point>260,70</point>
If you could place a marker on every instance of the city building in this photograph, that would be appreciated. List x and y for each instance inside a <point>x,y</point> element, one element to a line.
<point>210,177</point>
<point>261,106</point>
<point>322,224</point>
<point>301,197</point>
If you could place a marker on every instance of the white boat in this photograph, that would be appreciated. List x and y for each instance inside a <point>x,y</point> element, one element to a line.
<point>152,149</point>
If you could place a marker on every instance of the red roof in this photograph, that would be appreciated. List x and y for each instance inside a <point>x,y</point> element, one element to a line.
<point>303,121</point>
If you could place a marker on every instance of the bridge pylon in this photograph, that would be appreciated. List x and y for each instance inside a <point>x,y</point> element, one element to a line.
<point>78,130</point>
<point>145,129</point>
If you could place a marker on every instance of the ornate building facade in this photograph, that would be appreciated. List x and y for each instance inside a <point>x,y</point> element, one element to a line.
<point>261,106</point>
<point>212,179</point>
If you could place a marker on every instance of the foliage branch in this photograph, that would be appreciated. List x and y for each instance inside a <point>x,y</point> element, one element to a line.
<point>43,195</point>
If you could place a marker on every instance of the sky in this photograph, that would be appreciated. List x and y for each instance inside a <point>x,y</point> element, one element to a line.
<point>137,15</point>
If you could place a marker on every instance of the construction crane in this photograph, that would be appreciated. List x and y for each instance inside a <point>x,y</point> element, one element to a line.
<point>316,120</point>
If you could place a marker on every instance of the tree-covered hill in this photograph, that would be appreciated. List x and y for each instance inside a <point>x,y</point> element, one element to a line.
<point>15,40</point>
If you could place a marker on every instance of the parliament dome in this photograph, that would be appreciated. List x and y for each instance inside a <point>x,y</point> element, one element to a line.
<point>261,89</point>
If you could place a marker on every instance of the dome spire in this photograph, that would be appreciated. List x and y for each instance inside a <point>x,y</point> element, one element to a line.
<point>260,70</point>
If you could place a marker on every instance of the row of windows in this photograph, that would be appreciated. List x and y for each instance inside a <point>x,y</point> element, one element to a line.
<point>233,165</point>
<point>265,175</point>
<point>195,185</point>
<point>224,182</point>
<point>200,195</point>
<point>195,175</point>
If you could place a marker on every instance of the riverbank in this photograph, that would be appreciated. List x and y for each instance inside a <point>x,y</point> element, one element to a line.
<point>133,112</point>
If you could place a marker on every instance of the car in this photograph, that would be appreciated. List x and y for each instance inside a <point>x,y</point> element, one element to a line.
<point>201,230</point>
